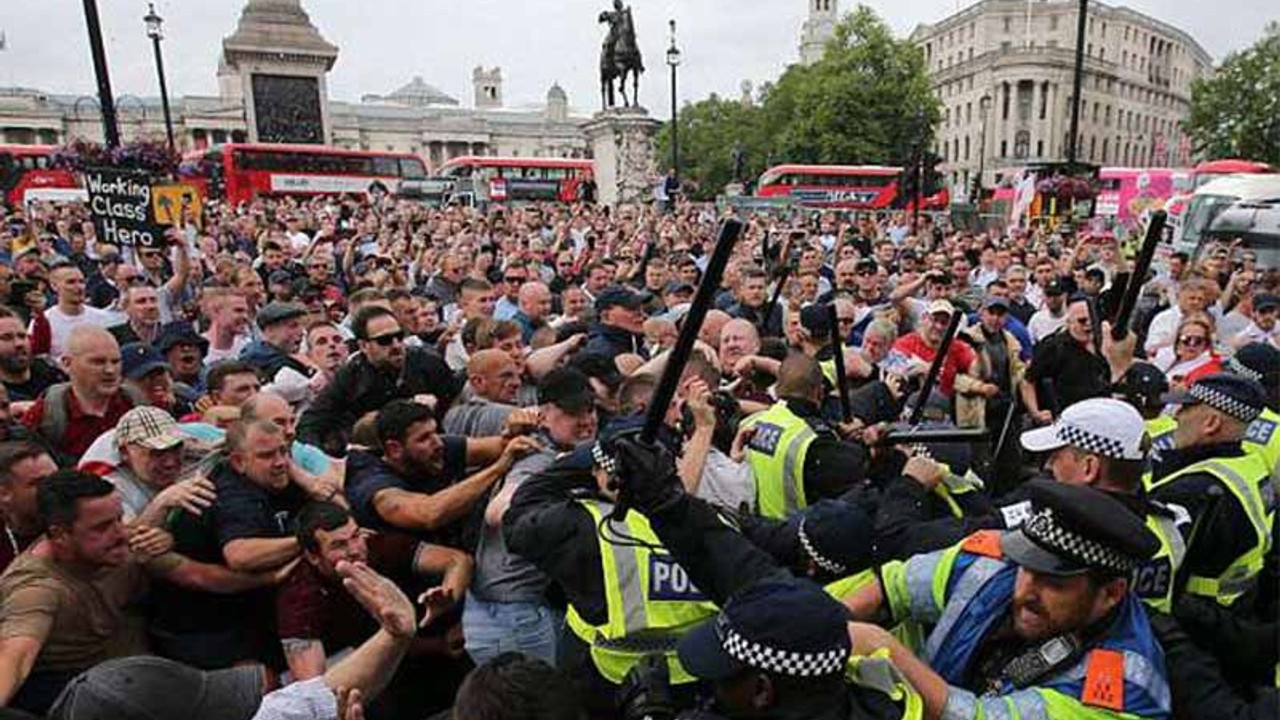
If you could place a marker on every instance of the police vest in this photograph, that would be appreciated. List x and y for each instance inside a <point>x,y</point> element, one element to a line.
<point>1262,438</point>
<point>776,453</point>
<point>1153,582</point>
<point>649,598</point>
<point>1248,481</point>
<point>963,590</point>
<point>908,632</point>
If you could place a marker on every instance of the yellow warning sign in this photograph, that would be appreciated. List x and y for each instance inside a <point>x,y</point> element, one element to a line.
<point>176,205</point>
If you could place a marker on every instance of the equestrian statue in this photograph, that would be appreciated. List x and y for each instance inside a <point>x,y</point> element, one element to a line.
<point>619,57</point>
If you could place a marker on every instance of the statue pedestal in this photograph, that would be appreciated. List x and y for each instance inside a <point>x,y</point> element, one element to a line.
<point>621,141</point>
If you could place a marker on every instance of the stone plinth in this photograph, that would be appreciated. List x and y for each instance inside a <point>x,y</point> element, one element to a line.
<point>621,141</point>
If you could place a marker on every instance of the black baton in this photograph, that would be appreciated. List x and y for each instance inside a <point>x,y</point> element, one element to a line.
<point>1138,276</point>
<point>935,369</point>
<point>837,350</point>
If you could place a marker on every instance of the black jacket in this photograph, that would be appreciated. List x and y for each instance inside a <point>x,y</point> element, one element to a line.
<point>611,341</point>
<point>359,388</point>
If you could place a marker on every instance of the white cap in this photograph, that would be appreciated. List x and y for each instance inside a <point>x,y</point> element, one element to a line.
<point>1108,427</point>
<point>939,306</point>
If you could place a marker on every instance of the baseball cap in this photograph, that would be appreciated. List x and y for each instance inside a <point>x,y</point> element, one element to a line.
<point>618,295</point>
<point>784,627</point>
<point>144,687</point>
<point>280,277</point>
<point>1055,287</point>
<point>137,360</point>
<point>568,389</point>
<point>1233,395</point>
<point>1265,302</point>
<point>940,306</point>
<point>600,367</point>
<point>1106,426</point>
<point>276,312</point>
<point>149,427</point>
<point>1143,385</point>
<point>678,286</point>
<point>1074,529</point>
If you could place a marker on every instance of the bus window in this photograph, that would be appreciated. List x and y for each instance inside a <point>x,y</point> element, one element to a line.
<point>385,166</point>
<point>412,168</point>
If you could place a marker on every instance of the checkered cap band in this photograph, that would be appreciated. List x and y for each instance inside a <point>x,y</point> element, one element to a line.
<point>143,424</point>
<point>1043,529</point>
<point>1239,368</point>
<point>782,662</point>
<point>603,459</point>
<point>1090,441</point>
<point>1223,402</point>
<point>827,564</point>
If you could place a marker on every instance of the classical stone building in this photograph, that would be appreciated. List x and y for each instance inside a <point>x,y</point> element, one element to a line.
<point>272,87</point>
<point>1002,70</point>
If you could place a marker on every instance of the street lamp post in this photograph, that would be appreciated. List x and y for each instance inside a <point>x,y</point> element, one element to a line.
<point>984,104</point>
<point>673,60</point>
<point>155,31</point>
<point>1077,81</point>
<point>110,130</point>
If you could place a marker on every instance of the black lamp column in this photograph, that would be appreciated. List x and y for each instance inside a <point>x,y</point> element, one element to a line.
<point>155,31</point>
<point>110,131</point>
<point>673,60</point>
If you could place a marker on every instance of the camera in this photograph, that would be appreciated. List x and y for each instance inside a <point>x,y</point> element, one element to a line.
<point>645,693</point>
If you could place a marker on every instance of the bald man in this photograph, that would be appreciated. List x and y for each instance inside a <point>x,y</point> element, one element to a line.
<point>71,415</point>
<point>534,302</point>
<point>493,381</point>
<point>738,339</point>
<point>712,326</point>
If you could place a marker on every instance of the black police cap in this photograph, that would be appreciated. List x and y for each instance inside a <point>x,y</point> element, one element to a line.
<point>1074,529</point>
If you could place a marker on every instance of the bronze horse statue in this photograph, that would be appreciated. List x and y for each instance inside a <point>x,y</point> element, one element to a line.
<point>619,57</point>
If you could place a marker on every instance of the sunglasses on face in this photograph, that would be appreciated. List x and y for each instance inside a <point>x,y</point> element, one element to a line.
<point>389,339</point>
<point>512,279</point>
<point>1192,340</point>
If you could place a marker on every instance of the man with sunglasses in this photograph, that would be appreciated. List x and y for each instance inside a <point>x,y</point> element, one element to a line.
<point>384,370</point>
<point>1066,367</point>
<point>514,276</point>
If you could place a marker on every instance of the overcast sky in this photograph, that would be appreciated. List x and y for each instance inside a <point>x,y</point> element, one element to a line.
<point>384,43</point>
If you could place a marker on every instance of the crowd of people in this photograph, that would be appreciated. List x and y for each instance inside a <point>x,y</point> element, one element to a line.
<point>230,461</point>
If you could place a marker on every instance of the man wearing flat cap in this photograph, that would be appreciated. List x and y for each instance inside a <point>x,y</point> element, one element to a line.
<point>1037,622</point>
<point>1227,491</point>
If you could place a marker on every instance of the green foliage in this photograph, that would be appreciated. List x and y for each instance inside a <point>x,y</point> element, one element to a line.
<point>866,102</point>
<point>1236,112</point>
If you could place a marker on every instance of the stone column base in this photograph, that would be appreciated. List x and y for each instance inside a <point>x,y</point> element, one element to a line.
<point>621,141</point>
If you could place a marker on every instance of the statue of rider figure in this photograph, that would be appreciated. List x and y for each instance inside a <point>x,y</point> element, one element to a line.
<point>619,57</point>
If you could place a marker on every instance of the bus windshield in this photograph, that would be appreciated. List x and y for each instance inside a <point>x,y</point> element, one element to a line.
<point>1201,212</point>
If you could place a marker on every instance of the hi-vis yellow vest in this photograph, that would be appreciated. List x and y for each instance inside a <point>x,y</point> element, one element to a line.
<point>776,454</point>
<point>1153,582</point>
<point>650,600</point>
<point>1248,481</point>
<point>1262,438</point>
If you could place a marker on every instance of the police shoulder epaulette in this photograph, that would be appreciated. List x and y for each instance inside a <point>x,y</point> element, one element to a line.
<point>1104,680</point>
<point>983,542</point>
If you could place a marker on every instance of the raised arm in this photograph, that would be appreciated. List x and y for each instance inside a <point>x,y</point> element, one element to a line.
<point>257,554</point>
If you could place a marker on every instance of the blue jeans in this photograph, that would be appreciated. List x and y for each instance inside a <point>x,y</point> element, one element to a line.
<point>490,629</point>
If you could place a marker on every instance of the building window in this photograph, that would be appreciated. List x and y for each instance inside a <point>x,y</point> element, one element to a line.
<point>1106,117</point>
<point>1006,46</point>
<point>1008,23</point>
<point>966,149</point>
<point>1053,44</point>
<point>1102,53</point>
<point>1004,148</point>
<point>1044,100</point>
<point>1021,144</point>
<point>1026,89</point>
<point>1104,150</point>
<point>1093,146</point>
<point>1097,110</point>
<point>1039,150</point>
<point>1053,22</point>
<point>1004,104</point>
<point>968,113</point>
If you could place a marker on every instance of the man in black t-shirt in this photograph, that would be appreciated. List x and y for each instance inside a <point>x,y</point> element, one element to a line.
<point>25,377</point>
<point>1066,367</point>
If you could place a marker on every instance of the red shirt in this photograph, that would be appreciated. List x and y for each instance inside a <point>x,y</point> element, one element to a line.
<point>959,357</point>
<point>82,428</point>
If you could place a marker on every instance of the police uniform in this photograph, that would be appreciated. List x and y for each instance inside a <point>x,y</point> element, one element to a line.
<point>1227,492</point>
<point>627,596</point>
<point>1261,364</point>
<point>796,458</point>
<point>790,628</point>
<point>1112,669</point>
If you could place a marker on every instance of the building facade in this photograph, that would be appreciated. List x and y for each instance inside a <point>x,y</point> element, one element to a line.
<point>1002,70</point>
<point>271,68</point>
<point>818,29</point>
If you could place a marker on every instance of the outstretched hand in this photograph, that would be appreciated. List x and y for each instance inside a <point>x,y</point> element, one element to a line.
<point>380,597</point>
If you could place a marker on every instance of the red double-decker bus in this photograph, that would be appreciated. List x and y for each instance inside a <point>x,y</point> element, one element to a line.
<point>28,167</point>
<point>238,172</point>
<point>851,187</point>
<point>502,179</point>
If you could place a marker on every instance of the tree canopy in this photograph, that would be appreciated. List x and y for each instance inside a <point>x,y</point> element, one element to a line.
<point>867,101</point>
<point>1236,111</point>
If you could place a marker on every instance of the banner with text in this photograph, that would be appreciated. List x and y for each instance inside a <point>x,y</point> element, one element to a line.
<point>120,204</point>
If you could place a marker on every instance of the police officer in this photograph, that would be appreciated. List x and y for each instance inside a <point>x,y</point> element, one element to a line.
<point>795,456</point>
<point>1037,622</point>
<point>1226,491</point>
<point>1261,363</point>
<point>627,596</point>
<point>780,649</point>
